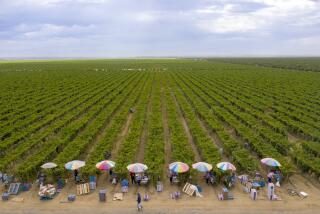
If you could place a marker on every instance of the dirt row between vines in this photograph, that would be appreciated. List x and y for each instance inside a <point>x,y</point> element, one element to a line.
<point>186,128</point>
<point>166,132</point>
<point>144,132</point>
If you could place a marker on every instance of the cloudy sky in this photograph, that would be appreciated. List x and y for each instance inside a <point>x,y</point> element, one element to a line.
<point>129,28</point>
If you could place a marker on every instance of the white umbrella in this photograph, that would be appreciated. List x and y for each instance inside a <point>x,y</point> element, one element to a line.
<point>226,166</point>
<point>270,162</point>
<point>137,167</point>
<point>49,165</point>
<point>73,165</point>
<point>202,166</point>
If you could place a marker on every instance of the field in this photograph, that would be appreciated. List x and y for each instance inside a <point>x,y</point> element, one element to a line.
<point>190,110</point>
<point>185,110</point>
<point>303,64</point>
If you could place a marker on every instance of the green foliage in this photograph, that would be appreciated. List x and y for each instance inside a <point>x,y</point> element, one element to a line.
<point>64,110</point>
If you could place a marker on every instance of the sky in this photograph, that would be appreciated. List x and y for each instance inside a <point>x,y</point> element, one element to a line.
<point>159,28</point>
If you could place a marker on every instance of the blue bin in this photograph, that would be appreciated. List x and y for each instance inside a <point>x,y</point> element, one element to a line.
<point>71,197</point>
<point>102,195</point>
<point>5,196</point>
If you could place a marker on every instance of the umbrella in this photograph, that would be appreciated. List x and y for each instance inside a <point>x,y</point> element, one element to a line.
<point>178,167</point>
<point>202,166</point>
<point>73,165</point>
<point>270,162</point>
<point>105,165</point>
<point>226,166</point>
<point>49,165</point>
<point>137,167</point>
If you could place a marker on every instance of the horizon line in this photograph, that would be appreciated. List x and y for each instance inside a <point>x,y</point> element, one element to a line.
<point>160,57</point>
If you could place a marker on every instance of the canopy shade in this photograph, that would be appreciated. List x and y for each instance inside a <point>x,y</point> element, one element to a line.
<point>226,166</point>
<point>105,165</point>
<point>75,164</point>
<point>49,165</point>
<point>137,167</point>
<point>270,162</point>
<point>202,166</point>
<point>179,167</point>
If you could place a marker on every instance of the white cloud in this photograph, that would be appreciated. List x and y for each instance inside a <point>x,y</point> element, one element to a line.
<point>230,23</point>
<point>310,41</point>
<point>153,27</point>
<point>55,2</point>
<point>226,18</point>
<point>146,17</point>
<point>50,30</point>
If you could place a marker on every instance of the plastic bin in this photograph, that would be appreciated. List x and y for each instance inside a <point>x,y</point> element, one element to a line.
<point>225,193</point>
<point>102,195</point>
<point>254,194</point>
<point>71,197</point>
<point>5,196</point>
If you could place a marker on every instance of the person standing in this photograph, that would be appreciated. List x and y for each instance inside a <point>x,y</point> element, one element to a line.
<point>133,179</point>
<point>139,205</point>
<point>138,177</point>
<point>207,177</point>
<point>75,175</point>
<point>171,177</point>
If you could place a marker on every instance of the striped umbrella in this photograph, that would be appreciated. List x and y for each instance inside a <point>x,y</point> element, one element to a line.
<point>226,166</point>
<point>137,167</point>
<point>49,165</point>
<point>270,162</point>
<point>75,164</point>
<point>202,166</point>
<point>105,165</point>
<point>178,167</point>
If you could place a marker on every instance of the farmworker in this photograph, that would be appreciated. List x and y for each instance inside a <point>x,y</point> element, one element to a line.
<point>225,180</point>
<point>132,110</point>
<point>132,175</point>
<point>124,182</point>
<point>107,155</point>
<point>138,178</point>
<point>171,177</point>
<point>232,180</point>
<point>4,178</point>
<point>212,176</point>
<point>277,177</point>
<point>114,180</point>
<point>139,205</point>
<point>76,172</point>
<point>207,177</point>
<point>42,179</point>
<point>249,185</point>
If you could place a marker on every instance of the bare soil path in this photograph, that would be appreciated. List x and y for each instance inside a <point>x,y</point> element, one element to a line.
<point>92,146</point>
<point>124,132</point>
<point>166,132</point>
<point>144,135</point>
<point>186,128</point>
<point>214,138</point>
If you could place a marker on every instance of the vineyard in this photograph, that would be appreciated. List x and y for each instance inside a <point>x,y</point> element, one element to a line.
<point>185,110</point>
<point>303,64</point>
